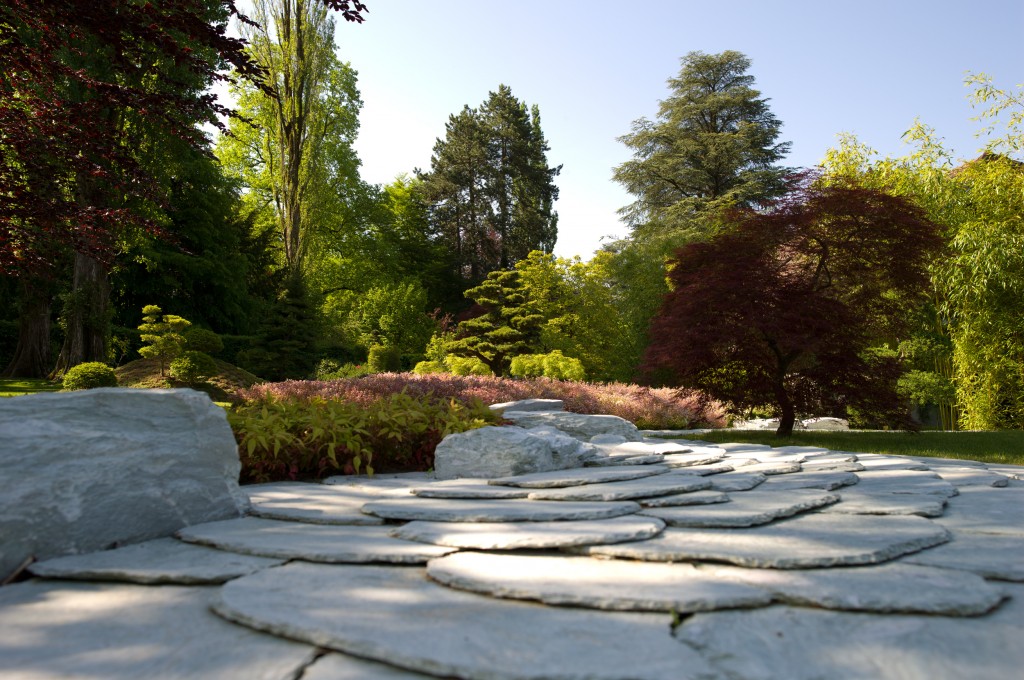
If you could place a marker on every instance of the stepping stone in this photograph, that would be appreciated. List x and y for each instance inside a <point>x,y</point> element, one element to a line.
<point>877,463</point>
<point>934,463</point>
<point>334,666</point>
<point>607,461</point>
<point>530,535</point>
<point>310,542</point>
<point>810,644</point>
<point>744,510</point>
<point>967,476</point>
<point>1013,472</point>
<point>316,503</point>
<point>396,615</point>
<point>828,481</point>
<point>467,488</point>
<point>703,470</point>
<point>985,510</point>
<point>113,631</point>
<point>807,541</point>
<point>498,510</point>
<point>737,481</point>
<point>803,450</point>
<point>854,502</point>
<point>905,481</point>
<point>840,456</point>
<point>387,484</point>
<point>164,560</point>
<point>677,460</point>
<point>596,584</point>
<point>694,498</point>
<point>578,477</point>
<point>832,465</point>
<point>647,448</point>
<point>990,555</point>
<point>661,485</point>
<point>771,468</point>
<point>883,588</point>
<point>733,447</point>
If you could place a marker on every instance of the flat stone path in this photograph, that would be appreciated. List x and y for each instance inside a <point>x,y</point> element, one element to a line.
<point>673,560</point>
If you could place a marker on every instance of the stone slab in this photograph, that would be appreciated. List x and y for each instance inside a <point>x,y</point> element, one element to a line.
<point>993,556</point>
<point>468,488</point>
<point>832,465</point>
<point>740,446</point>
<point>494,452</point>
<point>703,470</point>
<point>985,510</point>
<point>334,666</point>
<point>396,615</point>
<point>971,476</point>
<point>163,560</point>
<point>811,644</point>
<point>770,468</point>
<point>828,481</point>
<point>530,405</point>
<point>882,588</point>
<point>577,425</point>
<point>311,542</point>
<point>644,448</point>
<point>692,459</point>
<point>694,498</point>
<point>596,584</point>
<point>530,535</point>
<point>906,482</point>
<point>737,481</point>
<point>744,510</point>
<point>578,477</point>
<point>854,502</point>
<point>877,462</point>
<point>660,485</point>
<point>607,461</point>
<point>55,630</point>
<point>315,503</point>
<point>806,541</point>
<point>496,510</point>
<point>935,462</point>
<point>1014,472</point>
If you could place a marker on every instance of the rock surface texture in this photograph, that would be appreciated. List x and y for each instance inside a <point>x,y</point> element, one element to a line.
<point>643,560</point>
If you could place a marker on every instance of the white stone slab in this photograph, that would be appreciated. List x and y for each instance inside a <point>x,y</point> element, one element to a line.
<point>660,485</point>
<point>164,560</point>
<point>497,510</point>
<point>737,481</point>
<point>577,425</point>
<point>811,644</point>
<point>806,541</point>
<point>801,450</point>
<point>386,485</point>
<point>468,488</point>
<point>990,555</point>
<point>832,465</point>
<point>703,470</point>
<point>904,481</point>
<point>745,509</point>
<point>882,588</point>
<point>676,460</point>
<point>770,468</point>
<point>55,630</point>
<point>334,666</point>
<point>877,463</point>
<point>597,584</point>
<point>813,480</point>
<point>398,616</point>
<point>985,510</point>
<point>530,405</point>
<point>694,498</point>
<point>854,502</point>
<point>1014,472</point>
<point>972,476</point>
<point>530,535</point>
<point>647,448</point>
<point>579,476</point>
<point>607,461</point>
<point>934,462</point>
<point>311,542</point>
<point>740,446</point>
<point>315,503</point>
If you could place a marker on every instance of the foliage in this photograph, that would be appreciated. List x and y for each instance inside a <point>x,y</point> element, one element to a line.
<point>661,408</point>
<point>393,316</point>
<point>285,346</point>
<point>466,366</point>
<point>925,387</point>
<point>289,438</point>
<point>428,367</point>
<point>712,146</point>
<point>202,340</point>
<point>787,301</point>
<point>329,369</point>
<point>554,365</point>
<point>89,375</point>
<point>225,385</point>
<point>192,367</point>
<point>384,359</point>
<point>164,335</point>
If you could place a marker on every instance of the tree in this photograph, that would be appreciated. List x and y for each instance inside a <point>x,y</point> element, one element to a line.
<point>714,144</point>
<point>782,306</point>
<point>163,332</point>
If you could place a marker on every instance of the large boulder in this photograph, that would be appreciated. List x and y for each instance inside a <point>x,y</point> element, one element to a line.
<point>577,425</point>
<point>835,424</point>
<point>530,405</point>
<point>491,452</point>
<point>88,470</point>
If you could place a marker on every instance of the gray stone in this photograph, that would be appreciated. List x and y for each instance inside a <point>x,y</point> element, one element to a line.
<point>498,510</point>
<point>311,542</point>
<point>854,502</point>
<point>578,477</point>
<point>904,482</point>
<point>800,450</point>
<point>608,439</point>
<point>737,481</point>
<point>398,616</point>
<point>492,452</point>
<point>335,666</point>
<point>702,470</point>
<point>163,560</point>
<point>832,465</point>
<point>692,459</point>
<point>398,484</point>
<point>530,535</point>
<point>770,468</point>
<point>876,463</point>
<point>813,480</point>
<point>695,498</point>
<point>935,462</point>
<point>609,461</point>
<point>468,488</point>
<point>567,452</point>
<point>647,448</point>
<point>1014,472</point>
<point>745,509</point>
<point>734,447</point>
<point>968,476</point>
<point>990,555</point>
<point>577,425</point>
<point>985,510</point>
<point>832,424</point>
<point>883,588</point>
<point>810,540</point>
<point>54,630</point>
<point>315,503</point>
<point>811,644</point>
<point>109,467</point>
<point>596,584</point>
<point>648,487</point>
<point>530,405</point>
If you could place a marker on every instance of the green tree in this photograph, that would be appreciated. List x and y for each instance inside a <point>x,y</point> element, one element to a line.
<point>394,316</point>
<point>714,144</point>
<point>163,332</point>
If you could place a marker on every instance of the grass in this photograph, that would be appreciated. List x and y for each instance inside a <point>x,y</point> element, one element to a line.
<point>1004,447</point>
<point>13,387</point>
<point>222,388</point>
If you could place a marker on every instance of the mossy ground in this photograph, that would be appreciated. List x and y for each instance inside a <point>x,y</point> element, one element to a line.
<point>223,387</point>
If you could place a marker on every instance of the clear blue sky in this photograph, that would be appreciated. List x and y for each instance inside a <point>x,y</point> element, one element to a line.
<point>868,67</point>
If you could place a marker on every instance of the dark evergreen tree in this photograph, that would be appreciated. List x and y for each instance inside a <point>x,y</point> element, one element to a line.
<point>285,346</point>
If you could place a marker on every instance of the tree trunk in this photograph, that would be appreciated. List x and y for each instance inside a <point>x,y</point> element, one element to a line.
<point>32,353</point>
<point>788,417</point>
<point>86,316</point>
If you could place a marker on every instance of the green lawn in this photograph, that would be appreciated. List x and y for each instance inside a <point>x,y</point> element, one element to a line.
<point>1004,447</point>
<point>12,387</point>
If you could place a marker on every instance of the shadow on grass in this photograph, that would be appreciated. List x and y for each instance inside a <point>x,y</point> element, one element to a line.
<point>13,387</point>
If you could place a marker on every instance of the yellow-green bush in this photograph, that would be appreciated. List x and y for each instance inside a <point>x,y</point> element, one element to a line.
<point>428,367</point>
<point>554,365</point>
<point>466,366</point>
<point>89,375</point>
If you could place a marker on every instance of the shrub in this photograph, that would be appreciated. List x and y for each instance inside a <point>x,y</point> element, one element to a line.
<point>466,366</point>
<point>163,332</point>
<point>89,375</point>
<point>331,369</point>
<point>554,365</point>
<point>295,438</point>
<point>193,367</point>
<point>202,340</point>
<point>384,359</point>
<point>428,367</point>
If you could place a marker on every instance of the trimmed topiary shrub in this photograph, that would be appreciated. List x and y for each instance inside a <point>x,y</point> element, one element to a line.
<point>428,367</point>
<point>466,366</point>
<point>384,359</point>
<point>554,365</point>
<point>193,367</point>
<point>202,340</point>
<point>89,375</point>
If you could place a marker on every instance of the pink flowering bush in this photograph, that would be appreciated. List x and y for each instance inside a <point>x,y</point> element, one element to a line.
<point>648,408</point>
